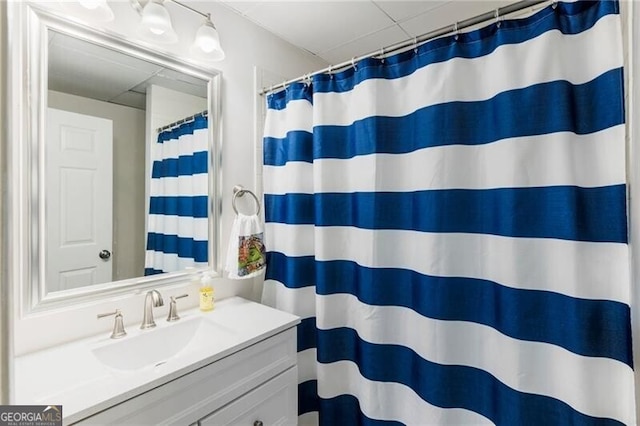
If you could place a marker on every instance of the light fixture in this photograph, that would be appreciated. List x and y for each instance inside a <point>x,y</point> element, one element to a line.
<point>155,22</point>
<point>207,42</point>
<point>92,9</point>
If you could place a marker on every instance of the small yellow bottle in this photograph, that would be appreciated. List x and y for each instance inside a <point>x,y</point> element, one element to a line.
<point>206,293</point>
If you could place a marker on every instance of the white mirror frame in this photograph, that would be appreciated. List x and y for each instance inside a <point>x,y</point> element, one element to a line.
<point>27,102</point>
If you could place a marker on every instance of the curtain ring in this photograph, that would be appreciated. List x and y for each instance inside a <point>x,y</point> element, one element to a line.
<point>331,71</point>
<point>554,5</point>
<point>496,14</point>
<point>456,36</point>
<point>353,64</point>
<point>284,85</point>
<point>382,55</point>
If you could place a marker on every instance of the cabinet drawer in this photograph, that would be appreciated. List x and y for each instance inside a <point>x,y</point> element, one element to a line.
<point>188,398</point>
<point>273,403</point>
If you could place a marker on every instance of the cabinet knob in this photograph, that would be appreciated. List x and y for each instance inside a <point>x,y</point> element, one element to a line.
<point>258,423</point>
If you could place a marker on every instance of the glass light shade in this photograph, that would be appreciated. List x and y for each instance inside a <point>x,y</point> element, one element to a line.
<point>156,23</point>
<point>92,9</point>
<point>90,4</point>
<point>207,42</point>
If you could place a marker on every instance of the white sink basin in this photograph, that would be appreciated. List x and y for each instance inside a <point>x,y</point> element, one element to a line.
<point>154,347</point>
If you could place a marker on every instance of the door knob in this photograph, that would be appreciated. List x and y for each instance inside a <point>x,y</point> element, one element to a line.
<point>105,254</point>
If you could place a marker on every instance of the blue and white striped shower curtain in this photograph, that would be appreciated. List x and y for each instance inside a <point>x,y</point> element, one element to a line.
<point>450,224</point>
<point>178,227</point>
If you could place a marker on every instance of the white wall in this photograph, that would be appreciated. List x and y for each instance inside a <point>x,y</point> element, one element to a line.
<point>246,46</point>
<point>166,106</point>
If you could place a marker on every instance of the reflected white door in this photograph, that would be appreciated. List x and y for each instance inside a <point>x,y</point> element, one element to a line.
<point>79,160</point>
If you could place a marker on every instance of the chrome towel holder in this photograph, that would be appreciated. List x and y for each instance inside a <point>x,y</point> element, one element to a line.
<point>239,191</point>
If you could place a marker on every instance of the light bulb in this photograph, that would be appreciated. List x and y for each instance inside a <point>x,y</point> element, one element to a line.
<point>208,41</point>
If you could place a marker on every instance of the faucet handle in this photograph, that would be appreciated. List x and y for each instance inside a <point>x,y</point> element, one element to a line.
<point>173,310</point>
<point>118,326</point>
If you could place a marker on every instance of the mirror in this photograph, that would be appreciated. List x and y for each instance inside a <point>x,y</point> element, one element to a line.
<point>97,107</point>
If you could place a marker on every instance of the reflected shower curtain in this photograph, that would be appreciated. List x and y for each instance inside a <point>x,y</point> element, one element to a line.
<point>178,221</point>
<point>450,224</point>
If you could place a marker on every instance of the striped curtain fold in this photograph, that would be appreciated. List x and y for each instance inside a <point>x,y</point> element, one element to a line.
<point>450,224</point>
<point>178,227</point>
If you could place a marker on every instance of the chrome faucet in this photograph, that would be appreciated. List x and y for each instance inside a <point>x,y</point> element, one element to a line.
<point>153,299</point>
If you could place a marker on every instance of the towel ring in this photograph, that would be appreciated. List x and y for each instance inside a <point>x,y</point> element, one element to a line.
<point>239,191</point>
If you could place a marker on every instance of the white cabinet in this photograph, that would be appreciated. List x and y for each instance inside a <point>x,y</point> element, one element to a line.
<point>255,384</point>
<point>273,403</point>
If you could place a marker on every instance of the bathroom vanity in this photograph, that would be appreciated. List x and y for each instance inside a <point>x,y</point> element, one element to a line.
<point>234,365</point>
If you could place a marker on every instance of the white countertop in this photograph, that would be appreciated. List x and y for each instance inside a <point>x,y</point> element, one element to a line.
<point>72,376</point>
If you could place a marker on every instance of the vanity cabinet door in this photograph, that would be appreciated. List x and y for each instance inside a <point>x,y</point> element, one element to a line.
<point>273,403</point>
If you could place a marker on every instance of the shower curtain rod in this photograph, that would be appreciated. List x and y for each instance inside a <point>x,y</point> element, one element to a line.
<point>454,28</point>
<point>184,120</point>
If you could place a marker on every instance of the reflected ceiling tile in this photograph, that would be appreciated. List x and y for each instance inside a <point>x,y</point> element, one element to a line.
<point>96,78</point>
<point>70,46</point>
<point>182,77</point>
<point>166,80</point>
<point>131,99</point>
<point>84,69</point>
